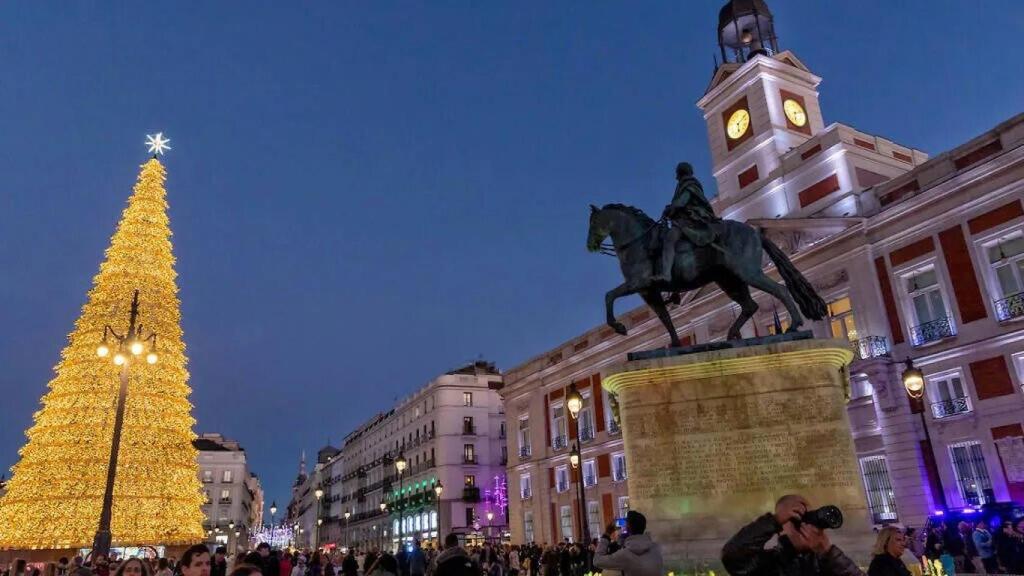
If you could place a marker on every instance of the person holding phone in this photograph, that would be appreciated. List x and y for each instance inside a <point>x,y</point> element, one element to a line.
<point>638,555</point>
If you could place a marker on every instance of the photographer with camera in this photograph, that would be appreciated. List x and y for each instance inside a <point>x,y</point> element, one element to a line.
<point>803,547</point>
<point>638,555</point>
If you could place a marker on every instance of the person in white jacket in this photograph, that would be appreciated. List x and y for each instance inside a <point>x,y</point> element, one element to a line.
<point>639,555</point>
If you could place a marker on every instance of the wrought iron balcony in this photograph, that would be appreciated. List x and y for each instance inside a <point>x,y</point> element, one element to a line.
<point>932,331</point>
<point>951,407</point>
<point>1010,307</point>
<point>471,494</point>
<point>469,459</point>
<point>586,433</point>
<point>468,430</point>
<point>559,442</point>
<point>525,452</point>
<point>870,347</point>
<point>613,427</point>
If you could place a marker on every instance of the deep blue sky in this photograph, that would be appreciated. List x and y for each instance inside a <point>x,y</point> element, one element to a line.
<point>367,194</point>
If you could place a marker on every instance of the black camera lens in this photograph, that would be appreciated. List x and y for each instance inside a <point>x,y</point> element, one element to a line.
<point>826,517</point>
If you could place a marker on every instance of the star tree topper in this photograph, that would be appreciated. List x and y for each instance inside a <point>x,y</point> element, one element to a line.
<point>157,143</point>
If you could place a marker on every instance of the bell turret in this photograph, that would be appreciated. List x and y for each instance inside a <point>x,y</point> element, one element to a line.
<point>746,29</point>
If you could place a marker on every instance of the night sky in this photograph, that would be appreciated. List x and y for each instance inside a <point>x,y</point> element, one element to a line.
<point>367,194</point>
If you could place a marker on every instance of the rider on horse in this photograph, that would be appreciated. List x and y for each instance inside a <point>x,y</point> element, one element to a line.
<point>691,215</point>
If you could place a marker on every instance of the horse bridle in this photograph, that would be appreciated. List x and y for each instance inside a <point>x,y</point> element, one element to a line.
<point>610,249</point>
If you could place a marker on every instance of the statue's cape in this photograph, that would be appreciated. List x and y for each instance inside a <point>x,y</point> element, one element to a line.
<point>697,190</point>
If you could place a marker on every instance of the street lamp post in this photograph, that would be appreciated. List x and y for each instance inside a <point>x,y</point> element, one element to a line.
<point>913,381</point>
<point>345,537</point>
<point>319,493</point>
<point>574,402</point>
<point>231,528</point>
<point>437,491</point>
<point>273,513</point>
<point>490,531</point>
<point>400,464</point>
<point>295,534</point>
<point>383,532</point>
<point>128,346</point>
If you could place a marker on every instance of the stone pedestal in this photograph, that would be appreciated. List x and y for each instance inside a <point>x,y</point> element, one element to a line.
<point>713,439</point>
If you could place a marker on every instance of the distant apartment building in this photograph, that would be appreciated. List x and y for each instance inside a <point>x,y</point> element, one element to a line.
<point>917,258</point>
<point>234,496</point>
<point>451,434</point>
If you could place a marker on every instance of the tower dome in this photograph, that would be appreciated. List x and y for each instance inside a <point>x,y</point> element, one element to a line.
<point>745,29</point>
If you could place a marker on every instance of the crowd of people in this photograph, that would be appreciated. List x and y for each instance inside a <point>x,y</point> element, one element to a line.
<point>779,543</point>
<point>613,551</point>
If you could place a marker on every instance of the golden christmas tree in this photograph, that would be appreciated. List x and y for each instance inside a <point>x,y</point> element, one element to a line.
<point>55,496</point>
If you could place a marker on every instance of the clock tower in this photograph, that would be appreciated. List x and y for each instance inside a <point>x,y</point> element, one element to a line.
<point>761,103</point>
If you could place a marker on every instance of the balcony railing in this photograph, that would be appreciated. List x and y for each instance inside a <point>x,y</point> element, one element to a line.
<point>225,500</point>
<point>469,459</point>
<point>559,442</point>
<point>613,427</point>
<point>951,407</point>
<point>471,494</point>
<point>586,433</point>
<point>870,347</point>
<point>932,331</point>
<point>589,480</point>
<point>525,452</point>
<point>526,494</point>
<point>562,486</point>
<point>1010,307</point>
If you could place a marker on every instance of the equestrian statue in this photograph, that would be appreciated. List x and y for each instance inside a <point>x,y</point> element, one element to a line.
<point>689,248</point>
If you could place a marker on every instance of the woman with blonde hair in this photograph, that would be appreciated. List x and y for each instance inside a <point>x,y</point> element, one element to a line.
<point>889,547</point>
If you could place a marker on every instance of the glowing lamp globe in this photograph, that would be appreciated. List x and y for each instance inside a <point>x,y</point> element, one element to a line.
<point>120,359</point>
<point>574,401</point>
<point>319,493</point>
<point>574,457</point>
<point>319,521</point>
<point>490,516</point>
<point>103,351</point>
<point>136,348</point>
<point>401,463</point>
<point>273,508</point>
<point>151,358</point>
<point>383,507</point>
<point>438,489</point>
<point>913,380</point>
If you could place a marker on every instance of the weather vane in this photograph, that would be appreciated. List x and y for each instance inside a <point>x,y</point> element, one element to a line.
<point>157,143</point>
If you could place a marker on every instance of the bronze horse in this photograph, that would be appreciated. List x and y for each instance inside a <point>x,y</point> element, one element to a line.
<point>733,262</point>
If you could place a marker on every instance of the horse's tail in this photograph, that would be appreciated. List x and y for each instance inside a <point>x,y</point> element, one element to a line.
<point>803,293</point>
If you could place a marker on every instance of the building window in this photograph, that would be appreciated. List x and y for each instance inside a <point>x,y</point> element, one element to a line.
<point>525,487</point>
<point>623,506</point>
<point>470,479</point>
<point>565,517</point>
<point>501,430</point>
<point>589,473</point>
<point>524,437</point>
<point>225,495</point>
<point>560,439</point>
<point>881,501</point>
<point>561,479</point>
<point>1006,259</point>
<point>948,397</point>
<point>928,305</point>
<point>594,518</point>
<point>433,519</point>
<point>619,467</point>
<point>207,476</point>
<point>586,420</point>
<point>470,516</point>
<point>971,473</point>
<point>468,454</point>
<point>840,317</point>
<point>227,476</point>
<point>467,398</point>
<point>467,425</point>
<point>528,526</point>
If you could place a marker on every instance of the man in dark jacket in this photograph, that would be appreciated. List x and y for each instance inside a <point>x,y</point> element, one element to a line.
<point>350,566</point>
<point>219,566</point>
<point>454,561</point>
<point>803,550</point>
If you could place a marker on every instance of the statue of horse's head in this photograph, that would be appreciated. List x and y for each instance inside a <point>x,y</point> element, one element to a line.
<point>615,219</point>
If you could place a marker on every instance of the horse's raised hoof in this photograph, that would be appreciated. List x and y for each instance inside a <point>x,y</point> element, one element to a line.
<point>619,328</point>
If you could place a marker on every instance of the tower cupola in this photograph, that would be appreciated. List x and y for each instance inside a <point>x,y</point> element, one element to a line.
<point>746,29</point>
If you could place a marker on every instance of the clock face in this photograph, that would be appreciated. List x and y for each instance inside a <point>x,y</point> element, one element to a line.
<point>795,112</point>
<point>737,124</point>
